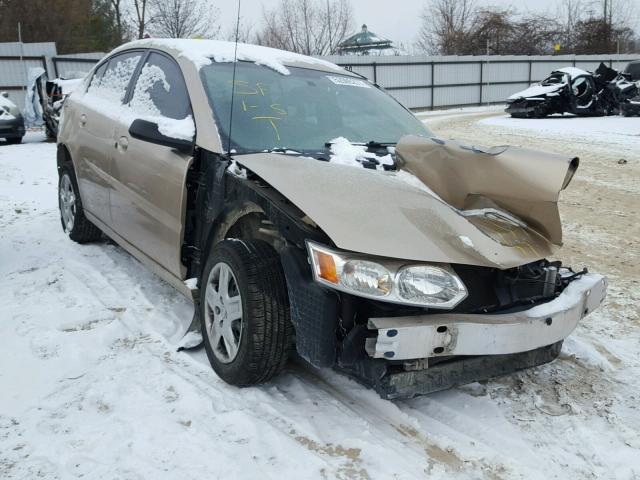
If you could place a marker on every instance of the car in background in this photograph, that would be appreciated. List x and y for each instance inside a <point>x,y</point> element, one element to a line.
<point>11,121</point>
<point>50,95</point>
<point>303,208</point>
<point>633,70</point>
<point>574,91</point>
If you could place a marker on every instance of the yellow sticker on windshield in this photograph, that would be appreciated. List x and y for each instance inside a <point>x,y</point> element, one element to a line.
<point>351,82</point>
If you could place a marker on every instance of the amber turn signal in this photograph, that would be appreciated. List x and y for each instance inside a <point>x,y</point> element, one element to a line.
<point>326,267</point>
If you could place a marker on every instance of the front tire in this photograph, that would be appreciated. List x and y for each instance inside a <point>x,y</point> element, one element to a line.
<point>72,217</point>
<point>244,312</point>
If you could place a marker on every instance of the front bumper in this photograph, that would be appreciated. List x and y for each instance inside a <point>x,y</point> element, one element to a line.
<point>426,336</point>
<point>12,128</point>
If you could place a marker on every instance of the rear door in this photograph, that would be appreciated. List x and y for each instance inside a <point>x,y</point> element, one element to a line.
<point>97,113</point>
<point>148,202</point>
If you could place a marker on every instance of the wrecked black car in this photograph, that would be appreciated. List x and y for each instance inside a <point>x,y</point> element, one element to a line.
<point>575,91</point>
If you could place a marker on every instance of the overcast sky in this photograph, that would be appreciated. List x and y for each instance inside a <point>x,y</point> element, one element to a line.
<point>398,20</point>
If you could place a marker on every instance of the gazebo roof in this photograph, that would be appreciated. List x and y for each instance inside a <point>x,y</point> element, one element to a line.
<point>364,40</point>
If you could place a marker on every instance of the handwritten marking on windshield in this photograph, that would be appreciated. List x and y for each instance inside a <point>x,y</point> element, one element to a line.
<point>272,121</point>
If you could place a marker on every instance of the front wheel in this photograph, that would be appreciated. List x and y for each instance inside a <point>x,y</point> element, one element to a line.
<point>244,310</point>
<point>72,217</point>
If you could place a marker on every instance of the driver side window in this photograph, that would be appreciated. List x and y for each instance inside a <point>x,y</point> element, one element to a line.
<point>160,90</point>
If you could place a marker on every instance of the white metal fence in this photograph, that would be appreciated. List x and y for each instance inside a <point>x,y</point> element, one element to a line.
<point>422,82</point>
<point>16,59</point>
<point>418,82</point>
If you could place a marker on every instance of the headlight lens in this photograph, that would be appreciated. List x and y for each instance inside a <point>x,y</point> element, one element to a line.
<point>426,285</point>
<point>430,285</point>
<point>366,277</point>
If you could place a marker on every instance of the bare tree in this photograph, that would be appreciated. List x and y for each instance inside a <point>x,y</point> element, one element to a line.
<point>445,23</point>
<point>185,18</point>
<point>245,33</point>
<point>568,14</point>
<point>117,7</point>
<point>310,27</point>
<point>141,9</point>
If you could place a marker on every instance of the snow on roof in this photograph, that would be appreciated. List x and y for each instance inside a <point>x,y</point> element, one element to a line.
<point>203,52</point>
<point>573,71</point>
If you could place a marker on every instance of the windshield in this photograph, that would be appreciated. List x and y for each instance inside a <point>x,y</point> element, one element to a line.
<point>302,111</point>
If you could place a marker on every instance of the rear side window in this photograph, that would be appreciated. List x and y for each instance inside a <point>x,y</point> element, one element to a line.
<point>97,76</point>
<point>113,83</point>
<point>160,89</point>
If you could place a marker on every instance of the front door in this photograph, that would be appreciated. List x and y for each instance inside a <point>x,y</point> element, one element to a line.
<point>97,120</point>
<point>149,198</point>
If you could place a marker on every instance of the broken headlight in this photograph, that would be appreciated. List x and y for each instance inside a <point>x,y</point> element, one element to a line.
<point>424,285</point>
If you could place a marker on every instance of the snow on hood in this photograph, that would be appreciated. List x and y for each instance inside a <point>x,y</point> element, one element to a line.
<point>343,152</point>
<point>537,90</point>
<point>5,102</point>
<point>573,72</point>
<point>203,52</point>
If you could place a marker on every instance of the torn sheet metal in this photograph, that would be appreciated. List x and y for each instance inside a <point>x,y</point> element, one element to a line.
<point>381,213</point>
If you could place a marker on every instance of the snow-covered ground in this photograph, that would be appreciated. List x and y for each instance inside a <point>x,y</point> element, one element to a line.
<point>91,384</point>
<point>614,130</point>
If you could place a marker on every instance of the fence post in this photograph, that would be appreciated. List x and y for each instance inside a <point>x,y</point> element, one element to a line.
<point>433,80</point>
<point>530,69</point>
<point>375,74</point>
<point>481,79</point>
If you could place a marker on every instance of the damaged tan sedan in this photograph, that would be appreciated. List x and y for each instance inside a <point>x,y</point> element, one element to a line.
<point>304,210</point>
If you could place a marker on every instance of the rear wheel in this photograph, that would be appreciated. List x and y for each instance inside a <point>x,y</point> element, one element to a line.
<point>51,134</point>
<point>14,140</point>
<point>244,310</point>
<point>72,217</point>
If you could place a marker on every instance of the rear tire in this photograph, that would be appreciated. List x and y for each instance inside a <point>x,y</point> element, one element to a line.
<point>51,134</point>
<point>72,217</point>
<point>14,140</point>
<point>249,347</point>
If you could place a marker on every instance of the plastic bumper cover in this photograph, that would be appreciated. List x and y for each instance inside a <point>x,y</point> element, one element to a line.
<point>425,336</point>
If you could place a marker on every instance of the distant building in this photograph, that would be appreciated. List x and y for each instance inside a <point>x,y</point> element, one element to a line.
<point>366,42</point>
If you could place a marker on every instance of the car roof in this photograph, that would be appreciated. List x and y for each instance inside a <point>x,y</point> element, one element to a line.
<point>204,52</point>
<point>573,71</point>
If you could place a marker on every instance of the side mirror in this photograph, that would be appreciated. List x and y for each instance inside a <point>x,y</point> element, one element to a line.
<point>148,132</point>
<point>5,94</point>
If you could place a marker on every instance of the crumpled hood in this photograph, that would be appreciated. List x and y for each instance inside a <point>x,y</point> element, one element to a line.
<point>537,91</point>
<point>396,215</point>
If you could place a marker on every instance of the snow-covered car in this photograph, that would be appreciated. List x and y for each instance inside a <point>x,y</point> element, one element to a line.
<point>411,263</point>
<point>11,121</point>
<point>575,91</point>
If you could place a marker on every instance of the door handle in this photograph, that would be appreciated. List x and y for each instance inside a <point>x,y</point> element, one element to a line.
<point>123,144</point>
<point>83,120</point>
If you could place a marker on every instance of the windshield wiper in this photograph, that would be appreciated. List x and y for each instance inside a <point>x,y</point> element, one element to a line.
<point>285,150</point>
<point>370,144</point>
<point>374,144</point>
